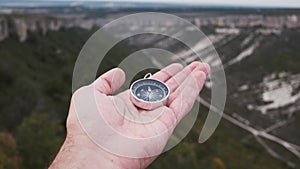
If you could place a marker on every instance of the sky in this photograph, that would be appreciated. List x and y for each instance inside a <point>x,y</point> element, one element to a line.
<point>244,3</point>
<point>263,3</point>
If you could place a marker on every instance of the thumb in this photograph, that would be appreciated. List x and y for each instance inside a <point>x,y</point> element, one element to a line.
<point>110,81</point>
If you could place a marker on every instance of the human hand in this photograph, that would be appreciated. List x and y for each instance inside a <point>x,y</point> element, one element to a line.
<point>80,151</point>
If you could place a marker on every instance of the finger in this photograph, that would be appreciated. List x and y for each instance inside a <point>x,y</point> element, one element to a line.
<point>167,72</point>
<point>176,80</point>
<point>182,100</point>
<point>110,81</point>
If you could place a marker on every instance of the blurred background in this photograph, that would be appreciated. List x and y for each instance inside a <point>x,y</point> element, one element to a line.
<point>258,43</point>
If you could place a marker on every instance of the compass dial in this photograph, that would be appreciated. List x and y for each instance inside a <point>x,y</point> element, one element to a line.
<point>149,90</point>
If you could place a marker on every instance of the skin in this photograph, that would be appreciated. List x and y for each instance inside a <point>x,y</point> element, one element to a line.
<point>79,151</point>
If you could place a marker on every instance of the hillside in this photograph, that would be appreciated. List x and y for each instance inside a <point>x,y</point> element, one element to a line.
<point>36,74</point>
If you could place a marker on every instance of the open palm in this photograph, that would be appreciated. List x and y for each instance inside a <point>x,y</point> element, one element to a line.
<point>131,135</point>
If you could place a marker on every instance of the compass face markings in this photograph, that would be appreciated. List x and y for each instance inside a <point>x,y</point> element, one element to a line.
<point>149,90</point>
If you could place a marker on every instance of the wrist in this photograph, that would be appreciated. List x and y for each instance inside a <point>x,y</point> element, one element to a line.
<point>77,153</point>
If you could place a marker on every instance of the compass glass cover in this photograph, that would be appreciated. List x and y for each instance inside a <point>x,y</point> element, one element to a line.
<point>149,90</point>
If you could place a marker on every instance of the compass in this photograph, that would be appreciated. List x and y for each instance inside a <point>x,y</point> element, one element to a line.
<point>149,93</point>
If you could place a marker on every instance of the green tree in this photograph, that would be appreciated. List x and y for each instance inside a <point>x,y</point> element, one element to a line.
<point>9,158</point>
<point>39,138</point>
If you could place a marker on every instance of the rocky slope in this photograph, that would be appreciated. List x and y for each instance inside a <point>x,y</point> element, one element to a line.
<point>21,25</point>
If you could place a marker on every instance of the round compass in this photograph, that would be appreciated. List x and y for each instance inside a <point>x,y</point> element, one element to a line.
<point>149,93</point>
